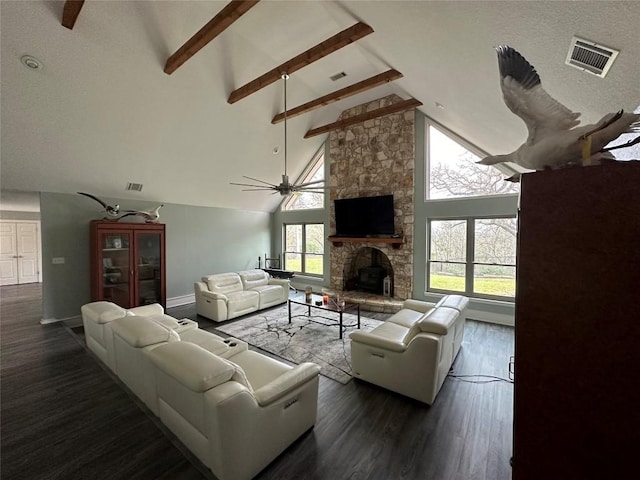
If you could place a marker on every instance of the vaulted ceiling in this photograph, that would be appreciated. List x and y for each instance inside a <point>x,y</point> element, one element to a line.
<point>102,112</point>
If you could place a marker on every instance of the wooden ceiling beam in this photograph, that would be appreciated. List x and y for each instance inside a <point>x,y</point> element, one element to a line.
<point>342,39</point>
<point>70,12</point>
<point>396,107</point>
<point>369,83</point>
<point>218,24</point>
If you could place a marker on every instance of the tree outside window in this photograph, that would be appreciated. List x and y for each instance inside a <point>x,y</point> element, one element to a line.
<point>453,173</point>
<point>304,248</point>
<point>474,256</point>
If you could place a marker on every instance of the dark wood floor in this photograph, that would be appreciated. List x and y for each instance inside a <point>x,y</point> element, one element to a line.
<point>65,416</point>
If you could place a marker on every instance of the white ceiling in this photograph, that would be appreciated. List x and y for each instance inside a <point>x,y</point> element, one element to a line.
<point>101,112</point>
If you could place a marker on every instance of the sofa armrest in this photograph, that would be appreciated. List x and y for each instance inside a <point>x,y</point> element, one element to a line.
<point>418,305</point>
<point>213,295</point>
<point>377,341</point>
<point>146,310</point>
<point>283,282</point>
<point>285,383</point>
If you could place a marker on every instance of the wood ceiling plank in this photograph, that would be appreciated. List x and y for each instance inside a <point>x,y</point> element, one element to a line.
<point>218,24</point>
<point>70,12</point>
<point>342,39</point>
<point>396,107</point>
<point>369,83</point>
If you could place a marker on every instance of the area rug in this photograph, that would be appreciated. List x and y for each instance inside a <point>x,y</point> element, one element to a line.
<point>305,339</point>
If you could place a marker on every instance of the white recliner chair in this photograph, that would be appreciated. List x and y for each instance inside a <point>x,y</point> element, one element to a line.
<point>235,415</point>
<point>95,318</point>
<point>411,353</point>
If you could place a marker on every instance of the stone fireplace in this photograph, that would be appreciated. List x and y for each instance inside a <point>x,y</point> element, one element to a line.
<point>370,158</point>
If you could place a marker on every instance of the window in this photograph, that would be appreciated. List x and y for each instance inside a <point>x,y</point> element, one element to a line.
<point>473,256</point>
<point>309,200</point>
<point>304,248</point>
<point>453,173</point>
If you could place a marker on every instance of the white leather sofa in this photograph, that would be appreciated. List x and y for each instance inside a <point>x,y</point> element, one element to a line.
<point>224,296</point>
<point>235,409</point>
<point>411,353</point>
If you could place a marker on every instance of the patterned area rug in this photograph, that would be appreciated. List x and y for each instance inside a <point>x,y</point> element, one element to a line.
<point>305,339</point>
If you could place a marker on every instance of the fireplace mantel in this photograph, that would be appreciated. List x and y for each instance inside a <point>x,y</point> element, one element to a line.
<point>395,242</point>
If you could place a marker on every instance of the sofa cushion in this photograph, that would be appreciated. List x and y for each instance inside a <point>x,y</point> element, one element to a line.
<point>224,283</point>
<point>102,312</point>
<point>254,278</point>
<point>439,320</point>
<point>453,301</point>
<point>406,317</point>
<point>141,332</point>
<point>269,294</point>
<point>192,366</point>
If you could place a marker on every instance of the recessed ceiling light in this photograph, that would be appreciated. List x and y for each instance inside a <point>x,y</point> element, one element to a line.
<point>31,62</point>
<point>276,150</point>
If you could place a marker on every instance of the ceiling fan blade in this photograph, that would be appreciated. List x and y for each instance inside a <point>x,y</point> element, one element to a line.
<point>311,183</point>
<point>258,180</point>
<point>250,185</point>
<point>260,189</point>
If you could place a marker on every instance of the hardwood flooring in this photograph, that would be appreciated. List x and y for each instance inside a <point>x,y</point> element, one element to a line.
<point>64,416</point>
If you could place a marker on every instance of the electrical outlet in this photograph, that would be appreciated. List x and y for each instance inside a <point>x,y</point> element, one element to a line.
<point>57,260</point>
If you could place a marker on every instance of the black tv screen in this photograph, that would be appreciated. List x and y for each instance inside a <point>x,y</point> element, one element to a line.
<point>364,216</point>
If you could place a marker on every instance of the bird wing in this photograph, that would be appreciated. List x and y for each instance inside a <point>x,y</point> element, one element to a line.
<point>523,94</point>
<point>95,198</point>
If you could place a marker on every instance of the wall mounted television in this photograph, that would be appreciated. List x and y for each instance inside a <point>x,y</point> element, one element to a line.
<point>365,216</point>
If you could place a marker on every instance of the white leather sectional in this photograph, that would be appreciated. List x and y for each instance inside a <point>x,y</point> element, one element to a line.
<point>224,296</point>
<point>411,353</point>
<point>235,409</point>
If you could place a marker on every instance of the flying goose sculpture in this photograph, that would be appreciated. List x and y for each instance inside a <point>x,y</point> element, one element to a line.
<point>151,216</point>
<point>111,210</point>
<point>555,140</point>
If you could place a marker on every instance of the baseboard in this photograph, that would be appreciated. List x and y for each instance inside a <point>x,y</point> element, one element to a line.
<point>46,321</point>
<point>499,318</point>
<point>182,300</point>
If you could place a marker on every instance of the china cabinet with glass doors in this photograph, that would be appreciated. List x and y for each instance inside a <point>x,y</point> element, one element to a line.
<point>128,263</point>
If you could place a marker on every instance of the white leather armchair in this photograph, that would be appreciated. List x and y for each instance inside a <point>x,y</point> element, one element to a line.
<point>411,353</point>
<point>95,318</point>
<point>235,415</point>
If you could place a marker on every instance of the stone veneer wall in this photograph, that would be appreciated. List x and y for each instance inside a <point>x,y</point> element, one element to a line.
<point>375,157</point>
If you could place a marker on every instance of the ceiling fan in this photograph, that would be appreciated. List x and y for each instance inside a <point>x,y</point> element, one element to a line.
<point>284,188</point>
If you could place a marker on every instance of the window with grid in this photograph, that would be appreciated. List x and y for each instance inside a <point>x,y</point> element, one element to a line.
<point>304,248</point>
<point>472,256</point>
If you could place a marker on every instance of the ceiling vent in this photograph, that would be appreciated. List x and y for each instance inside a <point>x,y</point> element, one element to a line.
<point>590,57</point>
<point>136,187</point>
<point>338,76</point>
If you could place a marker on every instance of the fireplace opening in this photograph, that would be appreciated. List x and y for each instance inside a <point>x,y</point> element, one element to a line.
<point>368,270</point>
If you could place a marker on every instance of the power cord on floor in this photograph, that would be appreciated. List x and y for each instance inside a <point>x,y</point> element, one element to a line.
<point>489,378</point>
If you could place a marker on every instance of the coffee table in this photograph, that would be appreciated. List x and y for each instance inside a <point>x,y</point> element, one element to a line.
<point>329,307</point>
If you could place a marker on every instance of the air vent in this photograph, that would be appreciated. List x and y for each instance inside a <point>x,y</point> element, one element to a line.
<point>136,187</point>
<point>590,57</point>
<point>338,76</point>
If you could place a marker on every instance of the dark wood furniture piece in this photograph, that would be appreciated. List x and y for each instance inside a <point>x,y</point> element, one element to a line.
<point>331,306</point>
<point>577,332</point>
<point>128,263</point>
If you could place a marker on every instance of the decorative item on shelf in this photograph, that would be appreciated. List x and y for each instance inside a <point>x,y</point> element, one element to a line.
<point>152,216</point>
<point>307,294</point>
<point>325,299</point>
<point>111,210</point>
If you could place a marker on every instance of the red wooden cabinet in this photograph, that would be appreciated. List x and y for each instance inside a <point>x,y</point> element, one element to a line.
<point>128,263</point>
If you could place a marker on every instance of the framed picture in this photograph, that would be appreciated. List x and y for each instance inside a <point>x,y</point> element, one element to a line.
<point>107,263</point>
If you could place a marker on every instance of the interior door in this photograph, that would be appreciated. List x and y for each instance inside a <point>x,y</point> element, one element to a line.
<point>27,248</point>
<point>8,254</point>
<point>19,253</point>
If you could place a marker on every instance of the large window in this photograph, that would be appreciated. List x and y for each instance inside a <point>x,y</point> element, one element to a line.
<point>453,173</point>
<point>308,200</point>
<point>304,248</point>
<point>474,256</point>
